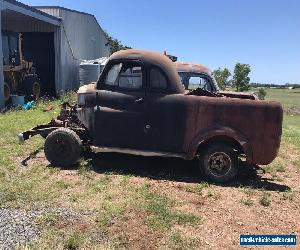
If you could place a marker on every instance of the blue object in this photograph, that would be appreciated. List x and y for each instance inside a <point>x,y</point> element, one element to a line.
<point>17,100</point>
<point>268,240</point>
<point>28,105</point>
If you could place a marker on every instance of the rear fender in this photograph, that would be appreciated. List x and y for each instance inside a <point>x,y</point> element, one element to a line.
<point>217,133</point>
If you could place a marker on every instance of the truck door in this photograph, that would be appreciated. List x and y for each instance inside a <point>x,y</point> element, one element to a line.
<point>165,120</point>
<point>120,106</point>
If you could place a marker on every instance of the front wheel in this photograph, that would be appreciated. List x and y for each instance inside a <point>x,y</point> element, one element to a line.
<point>219,163</point>
<point>32,86</point>
<point>63,147</point>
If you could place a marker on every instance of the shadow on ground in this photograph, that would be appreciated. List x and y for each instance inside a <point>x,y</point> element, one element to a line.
<point>171,169</point>
<point>175,169</point>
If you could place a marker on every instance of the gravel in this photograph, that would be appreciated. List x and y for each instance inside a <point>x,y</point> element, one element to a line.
<point>19,226</point>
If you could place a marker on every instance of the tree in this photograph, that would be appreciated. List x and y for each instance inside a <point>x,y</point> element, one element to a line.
<point>241,77</point>
<point>222,77</point>
<point>261,94</point>
<point>114,44</point>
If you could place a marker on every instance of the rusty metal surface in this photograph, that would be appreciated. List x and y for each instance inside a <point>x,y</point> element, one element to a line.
<point>179,122</point>
<point>241,95</point>
<point>192,67</point>
<point>176,122</point>
<point>68,117</point>
<point>255,125</point>
<point>151,58</point>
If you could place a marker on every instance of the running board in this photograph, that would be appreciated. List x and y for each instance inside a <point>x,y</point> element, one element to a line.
<point>135,152</point>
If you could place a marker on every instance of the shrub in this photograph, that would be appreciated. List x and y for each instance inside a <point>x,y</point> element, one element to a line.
<point>265,200</point>
<point>261,93</point>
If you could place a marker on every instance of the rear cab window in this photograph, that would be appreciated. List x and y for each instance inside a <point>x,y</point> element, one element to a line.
<point>157,80</point>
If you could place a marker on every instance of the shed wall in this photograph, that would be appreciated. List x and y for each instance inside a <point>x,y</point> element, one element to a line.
<point>81,39</point>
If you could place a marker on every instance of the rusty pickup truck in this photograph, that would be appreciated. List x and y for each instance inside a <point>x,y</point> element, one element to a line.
<point>140,106</point>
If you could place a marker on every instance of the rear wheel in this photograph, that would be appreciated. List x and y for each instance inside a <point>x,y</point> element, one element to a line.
<point>219,163</point>
<point>63,147</point>
<point>32,86</point>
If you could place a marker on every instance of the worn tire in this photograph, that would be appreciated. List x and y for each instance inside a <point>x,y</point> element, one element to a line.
<point>32,86</point>
<point>63,147</point>
<point>219,163</point>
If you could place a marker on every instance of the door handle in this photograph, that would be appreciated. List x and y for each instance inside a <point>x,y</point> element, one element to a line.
<point>139,100</point>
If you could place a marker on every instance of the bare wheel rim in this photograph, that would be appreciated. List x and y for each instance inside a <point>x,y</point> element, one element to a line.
<point>36,89</point>
<point>219,163</point>
<point>6,91</point>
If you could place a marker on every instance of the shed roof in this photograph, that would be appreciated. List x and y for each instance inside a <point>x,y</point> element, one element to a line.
<point>30,8</point>
<point>61,8</point>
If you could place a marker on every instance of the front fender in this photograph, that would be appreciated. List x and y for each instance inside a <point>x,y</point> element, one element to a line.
<point>208,134</point>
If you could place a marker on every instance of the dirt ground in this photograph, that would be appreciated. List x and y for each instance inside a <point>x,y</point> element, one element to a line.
<point>255,203</point>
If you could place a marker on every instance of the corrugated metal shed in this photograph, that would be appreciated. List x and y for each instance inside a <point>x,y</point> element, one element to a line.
<point>19,17</point>
<point>77,36</point>
<point>82,38</point>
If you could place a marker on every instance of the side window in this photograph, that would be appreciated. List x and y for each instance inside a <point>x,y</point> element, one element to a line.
<point>199,82</point>
<point>157,79</point>
<point>112,75</point>
<point>195,80</point>
<point>125,75</point>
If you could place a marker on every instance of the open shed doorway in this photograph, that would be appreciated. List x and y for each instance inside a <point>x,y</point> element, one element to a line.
<point>38,47</point>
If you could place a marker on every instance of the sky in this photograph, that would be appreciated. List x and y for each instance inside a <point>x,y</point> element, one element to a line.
<point>218,33</point>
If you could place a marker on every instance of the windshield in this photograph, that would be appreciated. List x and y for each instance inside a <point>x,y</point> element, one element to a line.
<point>191,80</point>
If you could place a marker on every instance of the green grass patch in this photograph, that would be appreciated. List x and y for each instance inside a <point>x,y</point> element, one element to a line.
<point>48,220</point>
<point>296,163</point>
<point>289,195</point>
<point>247,201</point>
<point>102,184</point>
<point>291,123</point>
<point>109,212</point>
<point>177,241</point>
<point>198,188</point>
<point>291,130</point>
<point>160,215</point>
<point>213,195</point>
<point>73,241</point>
<point>287,97</point>
<point>274,168</point>
<point>265,199</point>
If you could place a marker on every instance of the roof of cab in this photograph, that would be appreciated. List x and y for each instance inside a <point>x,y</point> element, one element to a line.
<point>192,67</point>
<point>154,58</point>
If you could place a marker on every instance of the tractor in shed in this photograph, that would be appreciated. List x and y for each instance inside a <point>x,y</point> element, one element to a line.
<point>20,76</point>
